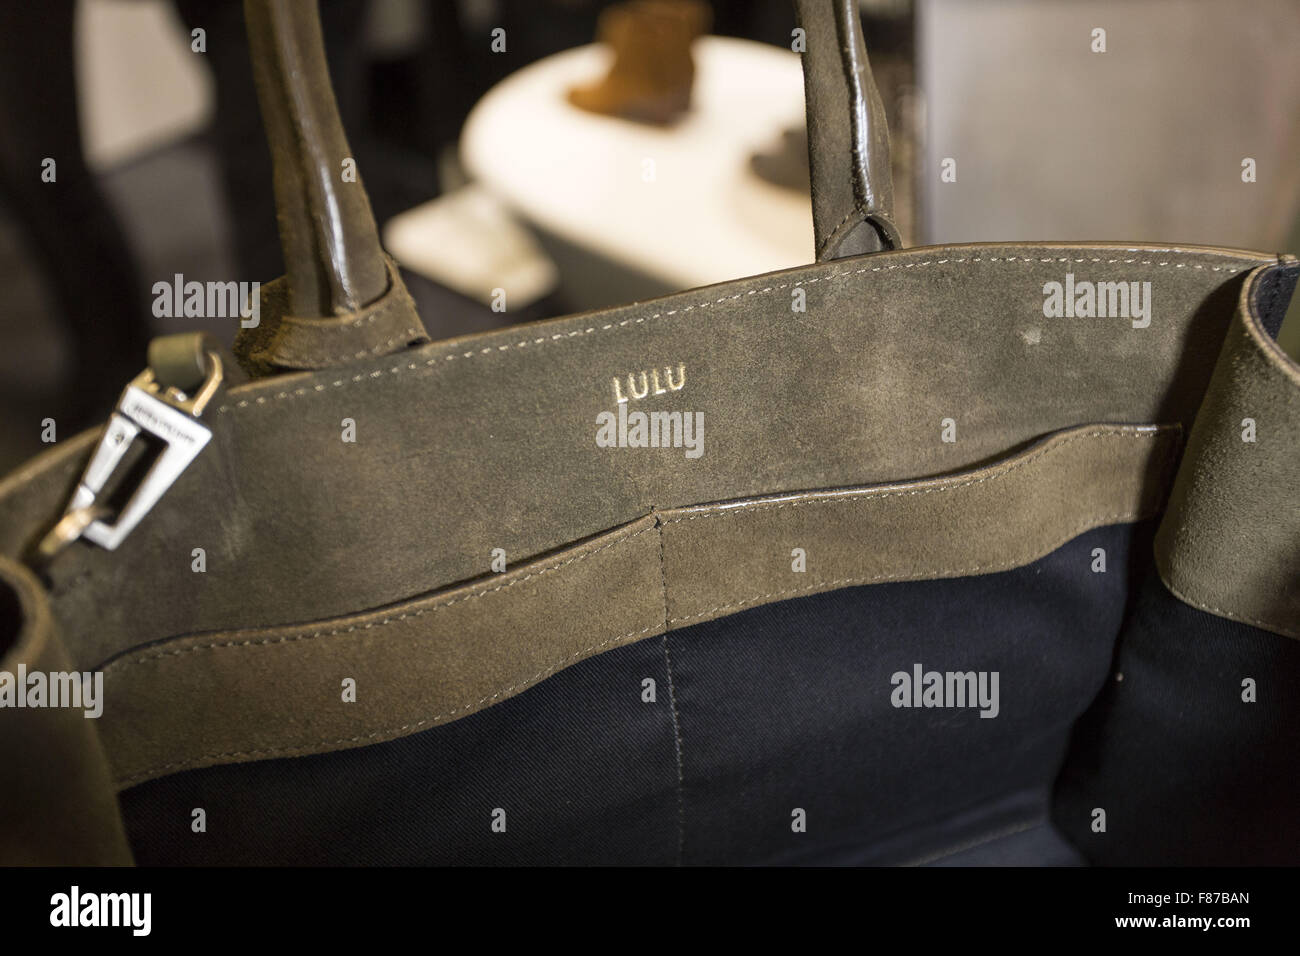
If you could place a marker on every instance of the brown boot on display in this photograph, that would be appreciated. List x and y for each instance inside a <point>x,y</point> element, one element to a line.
<point>650,80</point>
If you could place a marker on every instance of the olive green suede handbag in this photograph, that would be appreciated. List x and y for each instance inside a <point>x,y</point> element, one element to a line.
<point>439,545</point>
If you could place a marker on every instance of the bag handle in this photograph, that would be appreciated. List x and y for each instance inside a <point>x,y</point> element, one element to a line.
<point>341,297</point>
<point>852,187</point>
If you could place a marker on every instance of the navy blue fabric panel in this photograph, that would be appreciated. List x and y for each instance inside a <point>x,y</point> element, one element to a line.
<point>1187,771</point>
<point>1036,845</point>
<point>1027,838</point>
<point>585,771</point>
<point>806,721</point>
<point>779,707</point>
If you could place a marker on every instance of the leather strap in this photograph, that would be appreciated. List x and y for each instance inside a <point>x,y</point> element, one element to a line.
<point>334,265</point>
<point>852,189</point>
<point>336,270</point>
<point>285,341</point>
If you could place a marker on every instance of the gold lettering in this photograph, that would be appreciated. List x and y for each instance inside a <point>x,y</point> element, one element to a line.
<point>642,384</point>
<point>645,385</point>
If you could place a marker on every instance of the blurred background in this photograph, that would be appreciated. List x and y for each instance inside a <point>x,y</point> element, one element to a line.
<point>531,158</point>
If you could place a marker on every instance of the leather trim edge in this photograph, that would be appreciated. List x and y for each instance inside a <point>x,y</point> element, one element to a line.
<point>58,804</point>
<point>236,696</point>
<point>1227,545</point>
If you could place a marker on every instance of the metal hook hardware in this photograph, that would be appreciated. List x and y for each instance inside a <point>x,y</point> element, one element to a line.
<point>146,407</point>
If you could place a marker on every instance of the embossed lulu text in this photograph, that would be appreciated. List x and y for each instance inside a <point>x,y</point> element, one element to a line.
<point>651,382</point>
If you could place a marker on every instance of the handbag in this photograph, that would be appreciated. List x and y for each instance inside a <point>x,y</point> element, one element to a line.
<point>976,553</point>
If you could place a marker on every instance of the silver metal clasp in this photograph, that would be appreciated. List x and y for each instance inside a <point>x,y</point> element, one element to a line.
<point>157,411</point>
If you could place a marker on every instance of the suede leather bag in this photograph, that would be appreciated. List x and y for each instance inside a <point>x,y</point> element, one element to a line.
<point>963,554</point>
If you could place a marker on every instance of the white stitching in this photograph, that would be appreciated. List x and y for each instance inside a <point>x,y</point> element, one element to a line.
<point>546,672</point>
<point>677,740</point>
<point>294,638</point>
<point>313,748</point>
<point>1000,473</point>
<point>1274,626</point>
<point>404,336</point>
<point>563,336</point>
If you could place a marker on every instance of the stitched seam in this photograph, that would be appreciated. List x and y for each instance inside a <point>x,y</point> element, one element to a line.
<point>313,748</point>
<point>591,330</point>
<point>767,506</point>
<point>672,700</point>
<point>298,637</point>
<point>295,638</point>
<point>677,739</point>
<point>1092,522</point>
<point>317,326</point>
<point>404,336</point>
<point>1231,615</point>
<point>1006,470</point>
